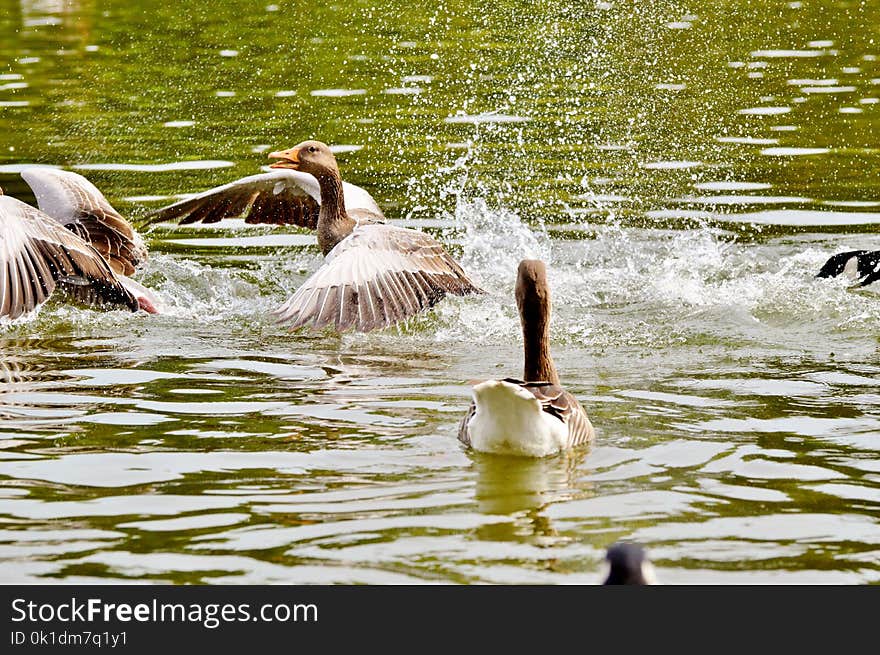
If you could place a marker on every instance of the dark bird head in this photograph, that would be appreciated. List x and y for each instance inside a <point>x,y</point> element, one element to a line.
<point>628,564</point>
<point>311,157</point>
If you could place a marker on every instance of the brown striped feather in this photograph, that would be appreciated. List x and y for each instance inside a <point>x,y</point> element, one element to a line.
<point>280,197</point>
<point>379,275</point>
<point>78,205</point>
<point>37,255</point>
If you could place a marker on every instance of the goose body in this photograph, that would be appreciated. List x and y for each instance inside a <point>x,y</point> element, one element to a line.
<point>534,417</point>
<point>508,418</point>
<point>374,275</point>
<point>75,241</point>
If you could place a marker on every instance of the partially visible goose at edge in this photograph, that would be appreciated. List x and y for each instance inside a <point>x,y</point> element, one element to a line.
<point>860,266</point>
<point>76,241</point>
<point>534,416</point>
<point>374,275</point>
<point>628,564</point>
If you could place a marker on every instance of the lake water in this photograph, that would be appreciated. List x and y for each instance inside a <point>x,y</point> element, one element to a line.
<point>684,170</point>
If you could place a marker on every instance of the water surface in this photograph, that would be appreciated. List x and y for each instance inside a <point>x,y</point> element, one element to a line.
<point>684,171</point>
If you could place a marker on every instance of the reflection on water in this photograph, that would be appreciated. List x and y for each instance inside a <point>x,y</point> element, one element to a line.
<point>685,175</point>
<point>507,485</point>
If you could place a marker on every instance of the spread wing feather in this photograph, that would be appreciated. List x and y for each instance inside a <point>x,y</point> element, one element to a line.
<point>376,277</point>
<point>280,197</point>
<point>78,205</point>
<point>37,254</point>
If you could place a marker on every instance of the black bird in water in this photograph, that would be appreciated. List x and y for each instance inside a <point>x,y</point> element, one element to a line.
<point>860,266</point>
<point>628,564</point>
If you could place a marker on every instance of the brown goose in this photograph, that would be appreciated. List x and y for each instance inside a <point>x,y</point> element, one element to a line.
<point>374,275</point>
<point>76,240</point>
<point>533,417</point>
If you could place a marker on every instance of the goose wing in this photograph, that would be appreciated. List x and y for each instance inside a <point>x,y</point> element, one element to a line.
<point>280,197</point>
<point>861,266</point>
<point>557,402</point>
<point>464,430</point>
<point>78,205</point>
<point>377,276</point>
<point>37,254</point>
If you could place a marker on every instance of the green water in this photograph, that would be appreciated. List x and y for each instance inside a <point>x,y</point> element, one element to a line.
<point>684,170</point>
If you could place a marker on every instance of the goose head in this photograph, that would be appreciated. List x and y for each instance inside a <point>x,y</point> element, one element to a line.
<point>532,291</point>
<point>311,157</point>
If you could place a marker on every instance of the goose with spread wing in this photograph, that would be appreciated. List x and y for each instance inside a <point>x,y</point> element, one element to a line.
<point>860,266</point>
<point>535,416</point>
<point>374,275</point>
<point>75,241</point>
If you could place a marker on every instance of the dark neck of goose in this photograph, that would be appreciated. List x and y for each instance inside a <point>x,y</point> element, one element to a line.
<point>539,366</point>
<point>333,223</point>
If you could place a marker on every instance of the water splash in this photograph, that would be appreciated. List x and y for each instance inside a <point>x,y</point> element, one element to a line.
<point>495,240</point>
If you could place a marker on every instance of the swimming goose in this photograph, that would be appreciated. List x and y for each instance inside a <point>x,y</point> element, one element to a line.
<point>862,266</point>
<point>628,565</point>
<point>534,416</point>
<point>76,240</point>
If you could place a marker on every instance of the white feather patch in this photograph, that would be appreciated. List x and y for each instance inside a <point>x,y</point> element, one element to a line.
<point>63,194</point>
<point>509,421</point>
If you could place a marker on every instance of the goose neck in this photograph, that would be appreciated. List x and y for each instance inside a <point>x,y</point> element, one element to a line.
<point>539,365</point>
<point>334,223</point>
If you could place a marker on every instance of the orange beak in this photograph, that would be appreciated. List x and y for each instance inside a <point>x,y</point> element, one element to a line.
<point>289,159</point>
